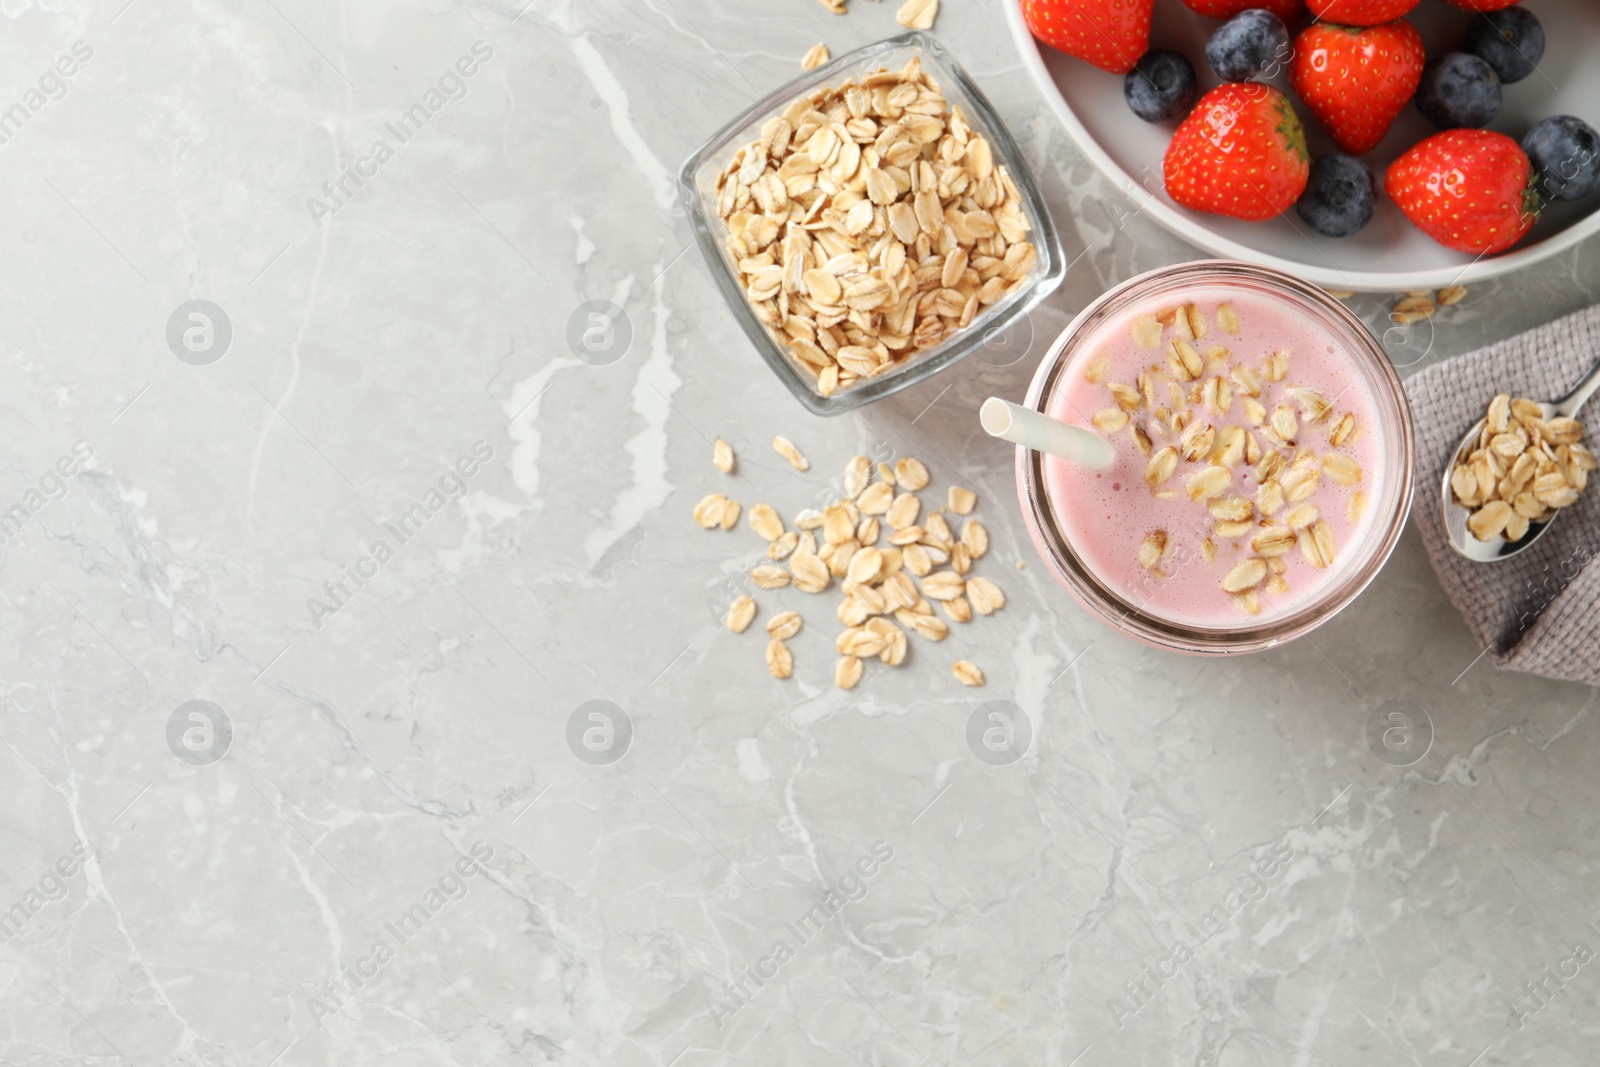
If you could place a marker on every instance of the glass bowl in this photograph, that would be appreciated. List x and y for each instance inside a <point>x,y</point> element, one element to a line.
<point>698,187</point>
<point>1127,605</point>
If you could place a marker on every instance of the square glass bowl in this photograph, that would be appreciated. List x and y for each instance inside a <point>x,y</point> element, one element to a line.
<point>698,187</point>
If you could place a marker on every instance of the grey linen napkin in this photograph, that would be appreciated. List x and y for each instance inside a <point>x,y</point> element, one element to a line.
<point>1540,611</point>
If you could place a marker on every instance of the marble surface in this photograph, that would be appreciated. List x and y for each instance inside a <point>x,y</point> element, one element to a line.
<point>373,842</point>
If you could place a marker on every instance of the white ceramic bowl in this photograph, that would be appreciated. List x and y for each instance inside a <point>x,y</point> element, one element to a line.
<point>1389,254</point>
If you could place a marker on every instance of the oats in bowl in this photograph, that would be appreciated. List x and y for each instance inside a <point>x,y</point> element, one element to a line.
<point>874,223</point>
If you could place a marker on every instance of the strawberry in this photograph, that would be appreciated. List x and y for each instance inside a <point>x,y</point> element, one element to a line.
<point>1483,5</point>
<point>1355,80</point>
<point>1241,152</point>
<point>1470,190</point>
<point>1289,11</point>
<point>1362,12</point>
<point>1111,34</point>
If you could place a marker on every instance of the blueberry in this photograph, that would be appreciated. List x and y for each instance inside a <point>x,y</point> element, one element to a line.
<point>1566,153</point>
<point>1252,44</point>
<point>1509,40</point>
<point>1160,87</point>
<point>1339,197</point>
<point>1459,90</point>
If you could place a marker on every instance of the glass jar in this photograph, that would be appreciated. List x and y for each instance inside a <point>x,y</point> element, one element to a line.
<point>1356,562</point>
<point>698,189</point>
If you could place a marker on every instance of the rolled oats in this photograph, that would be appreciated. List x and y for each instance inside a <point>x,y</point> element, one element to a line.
<point>1227,318</point>
<point>780,661</point>
<point>1341,469</point>
<point>869,222</point>
<point>809,573</point>
<point>967,673</point>
<point>1161,466</point>
<point>928,627</point>
<point>1274,540</point>
<point>784,625</point>
<point>943,585</point>
<point>878,579</point>
<point>958,609</point>
<point>903,511</point>
<point>1519,470</point>
<point>1110,420</point>
<point>917,14</point>
<point>765,522</point>
<point>848,672</point>
<point>1153,549</point>
<point>865,566</point>
<point>1244,575</point>
<point>975,537</point>
<point>985,597</point>
<point>910,474</point>
<point>783,546</point>
<point>857,473</point>
<point>785,448</point>
<point>1413,309</point>
<point>1316,543</point>
<point>708,513</point>
<point>877,497</point>
<point>769,576</point>
<point>741,613</point>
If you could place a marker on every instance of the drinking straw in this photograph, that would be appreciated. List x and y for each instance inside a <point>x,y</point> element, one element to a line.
<point>1038,431</point>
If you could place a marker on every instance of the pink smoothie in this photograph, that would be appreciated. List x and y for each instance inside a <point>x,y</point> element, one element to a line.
<point>1246,511</point>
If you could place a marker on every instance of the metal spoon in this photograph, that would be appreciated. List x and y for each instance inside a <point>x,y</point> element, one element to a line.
<point>1455,516</point>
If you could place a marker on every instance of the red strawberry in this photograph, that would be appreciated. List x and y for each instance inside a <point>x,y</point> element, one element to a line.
<point>1483,5</point>
<point>1111,34</point>
<point>1470,190</point>
<point>1354,80</point>
<point>1241,152</point>
<point>1362,12</point>
<point>1287,10</point>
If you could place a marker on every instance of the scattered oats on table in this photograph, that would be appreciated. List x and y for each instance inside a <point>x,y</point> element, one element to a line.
<point>722,456</point>
<point>815,57</point>
<point>917,14</point>
<point>780,661</point>
<point>911,474</point>
<point>1418,304</point>
<point>880,577</point>
<point>1413,309</point>
<point>848,672</point>
<point>708,513</point>
<point>765,521</point>
<point>741,613</point>
<point>785,625</point>
<point>785,448</point>
<point>869,222</point>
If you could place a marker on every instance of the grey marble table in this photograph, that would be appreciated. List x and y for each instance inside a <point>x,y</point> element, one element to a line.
<point>371,842</point>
